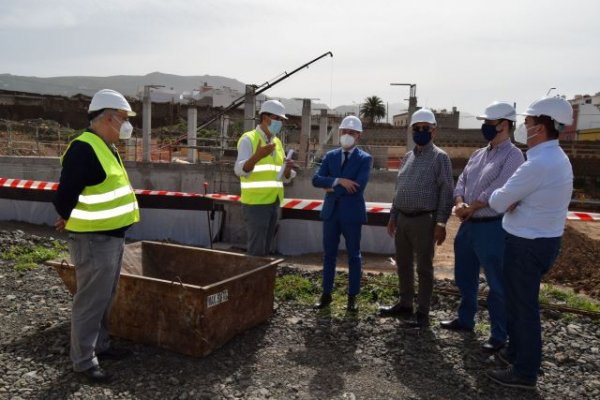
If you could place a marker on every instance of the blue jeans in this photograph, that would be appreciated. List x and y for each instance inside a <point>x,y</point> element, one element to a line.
<point>332,229</point>
<point>525,262</point>
<point>481,244</point>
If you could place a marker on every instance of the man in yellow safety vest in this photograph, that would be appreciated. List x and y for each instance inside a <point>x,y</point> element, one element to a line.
<point>259,165</point>
<point>96,205</point>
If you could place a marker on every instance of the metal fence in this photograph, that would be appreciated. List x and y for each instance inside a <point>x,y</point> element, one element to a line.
<point>34,138</point>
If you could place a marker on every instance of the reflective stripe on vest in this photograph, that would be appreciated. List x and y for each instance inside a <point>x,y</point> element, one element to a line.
<point>98,215</point>
<point>110,204</point>
<point>266,167</point>
<point>261,185</point>
<point>101,198</point>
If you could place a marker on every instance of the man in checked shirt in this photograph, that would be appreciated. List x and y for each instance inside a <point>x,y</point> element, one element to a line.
<point>420,210</point>
<point>480,238</point>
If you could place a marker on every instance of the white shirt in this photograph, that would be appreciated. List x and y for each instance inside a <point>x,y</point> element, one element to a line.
<point>542,186</point>
<point>245,152</point>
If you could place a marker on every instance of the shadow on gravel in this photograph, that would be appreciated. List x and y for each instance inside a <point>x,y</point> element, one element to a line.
<point>329,349</point>
<point>150,373</point>
<point>476,363</point>
<point>420,365</point>
<point>434,368</point>
<point>48,347</point>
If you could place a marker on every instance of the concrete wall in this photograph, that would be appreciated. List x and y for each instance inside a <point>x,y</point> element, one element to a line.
<point>191,178</point>
<point>188,177</point>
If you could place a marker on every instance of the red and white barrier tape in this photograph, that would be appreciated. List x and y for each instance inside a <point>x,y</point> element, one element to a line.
<point>304,204</point>
<point>25,184</point>
<point>295,204</point>
<point>583,216</point>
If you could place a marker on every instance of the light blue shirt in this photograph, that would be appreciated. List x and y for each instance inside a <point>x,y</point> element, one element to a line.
<point>542,187</point>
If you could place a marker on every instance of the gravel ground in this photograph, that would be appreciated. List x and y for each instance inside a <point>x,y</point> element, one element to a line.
<point>297,354</point>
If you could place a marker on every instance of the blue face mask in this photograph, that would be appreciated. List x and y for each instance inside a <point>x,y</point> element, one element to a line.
<point>489,132</point>
<point>275,127</point>
<point>422,137</point>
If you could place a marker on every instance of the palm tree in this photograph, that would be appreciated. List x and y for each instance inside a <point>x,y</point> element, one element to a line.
<point>373,109</point>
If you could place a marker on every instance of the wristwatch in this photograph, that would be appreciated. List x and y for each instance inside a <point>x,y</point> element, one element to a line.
<point>443,225</point>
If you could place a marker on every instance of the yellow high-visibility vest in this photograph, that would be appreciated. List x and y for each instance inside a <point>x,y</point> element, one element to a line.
<point>109,205</point>
<point>262,186</point>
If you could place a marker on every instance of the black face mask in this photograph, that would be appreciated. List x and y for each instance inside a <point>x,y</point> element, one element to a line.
<point>422,136</point>
<point>489,132</point>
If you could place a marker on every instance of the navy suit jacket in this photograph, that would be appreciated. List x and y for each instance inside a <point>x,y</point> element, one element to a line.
<point>351,205</point>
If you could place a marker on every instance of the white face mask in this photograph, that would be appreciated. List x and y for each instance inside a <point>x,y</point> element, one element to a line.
<point>347,141</point>
<point>522,134</point>
<point>126,130</point>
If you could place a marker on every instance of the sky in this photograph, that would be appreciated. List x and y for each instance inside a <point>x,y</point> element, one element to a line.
<point>465,53</point>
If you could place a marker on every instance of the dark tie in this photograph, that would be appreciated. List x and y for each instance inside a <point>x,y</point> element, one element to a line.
<point>346,153</point>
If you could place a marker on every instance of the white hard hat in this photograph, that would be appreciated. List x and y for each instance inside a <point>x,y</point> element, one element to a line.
<point>499,110</point>
<point>557,108</point>
<point>423,115</point>
<point>351,122</point>
<point>273,107</point>
<point>107,98</point>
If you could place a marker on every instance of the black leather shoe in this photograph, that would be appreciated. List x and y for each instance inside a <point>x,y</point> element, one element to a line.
<point>96,374</point>
<point>492,345</point>
<point>396,311</point>
<point>114,354</point>
<point>502,357</point>
<point>506,377</point>
<point>352,306</point>
<point>324,301</point>
<point>421,321</point>
<point>455,325</point>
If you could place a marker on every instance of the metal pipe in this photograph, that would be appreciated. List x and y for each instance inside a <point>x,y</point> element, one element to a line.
<point>265,86</point>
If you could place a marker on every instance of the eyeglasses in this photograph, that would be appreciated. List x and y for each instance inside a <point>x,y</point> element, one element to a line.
<point>275,117</point>
<point>416,128</point>
<point>122,117</point>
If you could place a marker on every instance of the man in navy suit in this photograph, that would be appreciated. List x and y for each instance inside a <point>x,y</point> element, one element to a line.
<point>343,174</point>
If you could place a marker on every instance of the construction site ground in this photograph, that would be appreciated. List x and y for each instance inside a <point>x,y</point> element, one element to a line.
<point>298,353</point>
<point>576,267</point>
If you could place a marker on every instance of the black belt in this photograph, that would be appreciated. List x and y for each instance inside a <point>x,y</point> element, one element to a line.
<point>415,213</point>
<point>486,219</point>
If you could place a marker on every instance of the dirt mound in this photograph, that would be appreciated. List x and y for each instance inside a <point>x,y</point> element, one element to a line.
<point>577,264</point>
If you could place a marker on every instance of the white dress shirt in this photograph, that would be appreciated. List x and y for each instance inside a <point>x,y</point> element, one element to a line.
<point>542,186</point>
<point>245,151</point>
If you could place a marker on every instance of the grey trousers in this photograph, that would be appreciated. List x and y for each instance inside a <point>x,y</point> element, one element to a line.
<point>261,220</point>
<point>414,236</point>
<point>97,259</point>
